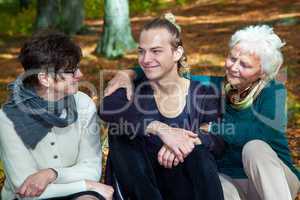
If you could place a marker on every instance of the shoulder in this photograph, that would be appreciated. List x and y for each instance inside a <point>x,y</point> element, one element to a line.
<point>4,119</point>
<point>116,97</point>
<point>206,95</point>
<point>7,129</point>
<point>142,86</point>
<point>273,89</point>
<point>272,96</point>
<point>84,102</point>
<point>275,85</point>
<point>199,88</point>
<point>205,101</point>
<point>207,80</point>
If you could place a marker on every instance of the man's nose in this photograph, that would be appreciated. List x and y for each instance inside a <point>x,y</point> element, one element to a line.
<point>147,58</point>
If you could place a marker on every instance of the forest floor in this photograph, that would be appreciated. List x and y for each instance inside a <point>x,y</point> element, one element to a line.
<point>207,27</point>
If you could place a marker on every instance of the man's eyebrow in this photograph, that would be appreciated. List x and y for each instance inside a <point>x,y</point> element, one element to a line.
<point>152,48</point>
<point>158,47</point>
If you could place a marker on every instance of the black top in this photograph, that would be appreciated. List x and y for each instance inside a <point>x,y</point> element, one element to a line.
<point>132,117</point>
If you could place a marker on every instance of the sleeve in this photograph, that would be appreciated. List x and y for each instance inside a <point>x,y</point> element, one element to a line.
<point>206,103</point>
<point>212,107</point>
<point>206,108</point>
<point>88,166</point>
<point>214,143</point>
<point>122,114</point>
<point>268,123</point>
<point>19,164</point>
<point>116,107</point>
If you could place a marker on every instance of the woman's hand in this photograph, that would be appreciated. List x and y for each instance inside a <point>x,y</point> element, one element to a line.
<point>123,79</point>
<point>180,141</point>
<point>105,190</point>
<point>167,158</point>
<point>35,184</point>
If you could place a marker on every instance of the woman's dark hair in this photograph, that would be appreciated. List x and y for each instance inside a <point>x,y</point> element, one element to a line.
<point>48,51</point>
<point>167,22</point>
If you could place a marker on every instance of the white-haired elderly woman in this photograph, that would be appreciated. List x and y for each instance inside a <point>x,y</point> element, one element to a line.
<point>256,163</point>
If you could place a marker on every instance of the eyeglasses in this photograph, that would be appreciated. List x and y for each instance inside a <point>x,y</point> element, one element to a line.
<point>71,70</point>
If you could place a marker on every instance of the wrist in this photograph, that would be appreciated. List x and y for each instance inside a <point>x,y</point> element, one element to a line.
<point>52,175</point>
<point>130,73</point>
<point>156,128</point>
<point>89,185</point>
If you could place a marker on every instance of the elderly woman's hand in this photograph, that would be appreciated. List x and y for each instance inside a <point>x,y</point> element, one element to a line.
<point>167,158</point>
<point>123,79</point>
<point>180,141</point>
<point>35,184</point>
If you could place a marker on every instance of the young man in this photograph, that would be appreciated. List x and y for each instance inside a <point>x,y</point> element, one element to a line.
<point>135,139</point>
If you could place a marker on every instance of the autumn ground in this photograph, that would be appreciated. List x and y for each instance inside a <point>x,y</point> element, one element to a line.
<point>206,29</point>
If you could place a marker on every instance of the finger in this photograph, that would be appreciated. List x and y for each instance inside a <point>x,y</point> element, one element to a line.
<point>112,81</point>
<point>191,134</point>
<point>197,141</point>
<point>129,93</point>
<point>165,158</point>
<point>18,193</point>
<point>27,192</point>
<point>176,162</point>
<point>178,154</point>
<point>170,160</point>
<point>160,155</point>
<point>36,190</point>
<point>191,144</point>
<point>184,150</point>
<point>21,191</point>
<point>111,88</point>
<point>31,190</point>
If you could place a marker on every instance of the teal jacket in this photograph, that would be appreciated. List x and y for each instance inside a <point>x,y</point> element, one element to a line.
<point>265,120</point>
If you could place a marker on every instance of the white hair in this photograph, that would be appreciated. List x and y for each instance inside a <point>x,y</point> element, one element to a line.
<point>264,43</point>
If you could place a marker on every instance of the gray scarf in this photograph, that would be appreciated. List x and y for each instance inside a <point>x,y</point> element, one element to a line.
<point>32,116</point>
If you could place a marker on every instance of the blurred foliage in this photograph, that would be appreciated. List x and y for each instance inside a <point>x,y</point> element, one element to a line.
<point>137,6</point>
<point>2,176</point>
<point>7,1</point>
<point>293,111</point>
<point>94,9</point>
<point>14,20</point>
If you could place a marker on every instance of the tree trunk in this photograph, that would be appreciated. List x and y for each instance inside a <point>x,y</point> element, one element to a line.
<point>72,16</point>
<point>47,14</point>
<point>24,4</point>
<point>116,37</point>
<point>64,15</point>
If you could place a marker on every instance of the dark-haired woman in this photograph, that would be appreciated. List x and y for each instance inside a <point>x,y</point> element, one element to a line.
<point>49,141</point>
